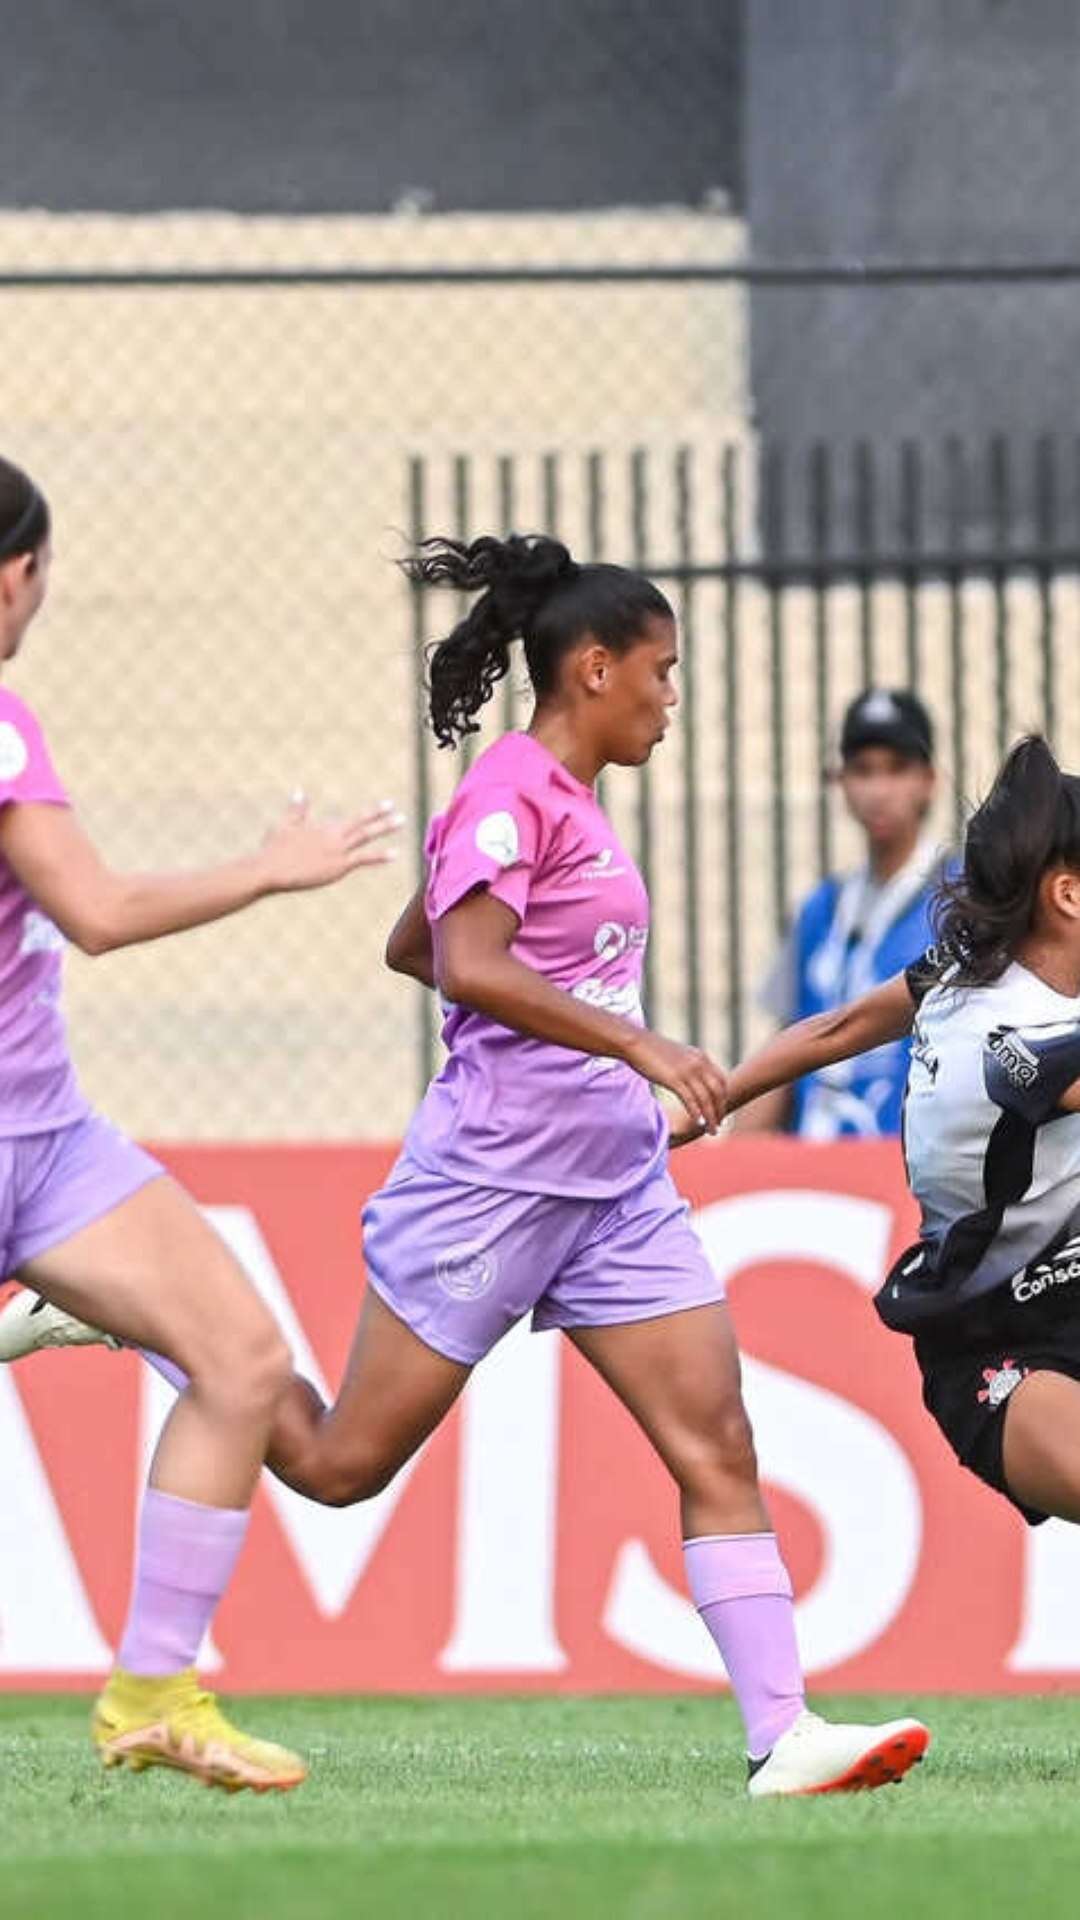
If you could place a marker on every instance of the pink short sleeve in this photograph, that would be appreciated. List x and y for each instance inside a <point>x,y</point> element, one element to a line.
<point>488,837</point>
<point>26,770</point>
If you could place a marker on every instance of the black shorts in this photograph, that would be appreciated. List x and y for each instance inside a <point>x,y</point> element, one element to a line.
<point>971,1370</point>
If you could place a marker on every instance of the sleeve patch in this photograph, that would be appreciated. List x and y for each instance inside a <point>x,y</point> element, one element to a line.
<point>1028,1071</point>
<point>497,837</point>
<point>14,752</point>
<point>933,969</point>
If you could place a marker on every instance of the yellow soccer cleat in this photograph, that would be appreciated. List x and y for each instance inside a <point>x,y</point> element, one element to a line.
<point>150,1722</point>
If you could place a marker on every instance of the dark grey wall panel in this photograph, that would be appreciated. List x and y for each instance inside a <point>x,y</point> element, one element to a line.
<point>318,105</point>
<point>916,130</point>
<point>914,127</point>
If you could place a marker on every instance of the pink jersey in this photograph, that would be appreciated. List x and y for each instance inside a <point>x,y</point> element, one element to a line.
<point>511,1112</point>
<point>38,1089</point>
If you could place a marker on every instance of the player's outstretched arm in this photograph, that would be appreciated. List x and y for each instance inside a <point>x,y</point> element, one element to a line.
<point>99,909</point>
<point>887,1013</point>
<point>409,948</point>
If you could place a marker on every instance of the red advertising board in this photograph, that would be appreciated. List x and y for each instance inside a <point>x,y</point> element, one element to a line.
<point>534,1542</point>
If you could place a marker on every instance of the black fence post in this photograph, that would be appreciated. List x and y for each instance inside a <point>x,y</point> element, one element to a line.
<point>425,1027</point>
<point>505,480</point>
<point>732,716</point>
<point>955,512</point>
<point>688,658</point>
<point>820,523</point>
<point>639,552</point>
<point>1000,506</point>
<point>865,547</point>
<point>1045,494</point>
<point>774,518</point>
<point>911,535</point>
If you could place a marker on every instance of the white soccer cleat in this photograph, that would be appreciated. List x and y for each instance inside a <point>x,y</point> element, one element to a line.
<point>822,1756</point>
<point>29,1324</point>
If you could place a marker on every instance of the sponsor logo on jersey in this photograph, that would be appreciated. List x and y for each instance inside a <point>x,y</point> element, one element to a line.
<point>602,866</point>
<point>1000,1382</point>
<point>624,1000</point>
<point>1060,1270</point>
<point>612,940</point>
<point>1017,1062</point>
<point>466,1271</point>
<point>39,935</point>
<point>923,1053</point>
<point>497,836</point>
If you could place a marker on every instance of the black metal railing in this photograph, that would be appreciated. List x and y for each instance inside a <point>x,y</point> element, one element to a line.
<point>744,538</point>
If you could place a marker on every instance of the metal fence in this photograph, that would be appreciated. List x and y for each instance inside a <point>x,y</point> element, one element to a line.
<point>236,445</point>
<point>774,641</point>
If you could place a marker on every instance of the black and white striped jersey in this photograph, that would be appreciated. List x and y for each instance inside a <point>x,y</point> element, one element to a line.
<point>992,1160</point>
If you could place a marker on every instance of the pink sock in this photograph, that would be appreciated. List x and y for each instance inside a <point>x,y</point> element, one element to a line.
<point>186,1555</point>
<point>168,1369</point>
<point>741,1588</point>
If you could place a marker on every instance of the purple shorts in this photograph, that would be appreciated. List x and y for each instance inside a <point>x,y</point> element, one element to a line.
<point>461,1264</point>
<point>53,1184</point>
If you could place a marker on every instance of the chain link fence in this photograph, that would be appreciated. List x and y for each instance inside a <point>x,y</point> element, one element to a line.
<point>239,422</point>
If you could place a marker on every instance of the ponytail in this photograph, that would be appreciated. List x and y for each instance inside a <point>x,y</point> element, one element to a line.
<point>515,577</point>
<point>1029,821</point>
<point>532,590</point>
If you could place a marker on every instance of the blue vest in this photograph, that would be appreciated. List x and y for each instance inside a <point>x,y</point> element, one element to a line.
<point>863,1096</point>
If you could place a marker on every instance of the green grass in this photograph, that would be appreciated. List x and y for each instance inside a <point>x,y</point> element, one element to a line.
<point>543,1809</point>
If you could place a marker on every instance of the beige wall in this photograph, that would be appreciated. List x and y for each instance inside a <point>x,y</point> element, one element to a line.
<point>228,474</point>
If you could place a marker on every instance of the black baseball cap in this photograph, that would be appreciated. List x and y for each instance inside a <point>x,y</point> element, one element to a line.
<point>888,717</point>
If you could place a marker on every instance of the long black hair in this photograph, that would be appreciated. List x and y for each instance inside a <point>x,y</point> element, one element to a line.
<point>24,513</point>
<point>1029,821</point>
<point>531,589</point>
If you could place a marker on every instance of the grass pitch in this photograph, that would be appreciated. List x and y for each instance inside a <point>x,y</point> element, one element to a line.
<point>543,1809</point>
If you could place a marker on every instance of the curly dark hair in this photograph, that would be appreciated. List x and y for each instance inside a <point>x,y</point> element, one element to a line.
<point>530,589</point>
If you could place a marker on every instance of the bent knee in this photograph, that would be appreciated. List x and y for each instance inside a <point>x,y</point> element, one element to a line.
<point>271,1367</point>
<point>722,1452</point>
<point>251,1368</point>
<point>344,1479</point>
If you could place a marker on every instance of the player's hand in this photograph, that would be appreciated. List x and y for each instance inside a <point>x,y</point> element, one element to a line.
<point>682,1134</point>
<point>696,1081</point>
<point>301,852</point>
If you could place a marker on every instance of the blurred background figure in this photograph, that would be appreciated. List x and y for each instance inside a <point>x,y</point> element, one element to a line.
<point>858,929</point>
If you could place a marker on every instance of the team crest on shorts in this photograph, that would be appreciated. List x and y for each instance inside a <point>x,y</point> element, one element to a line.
<point>466,1271</point>
<point>1000,1382</point>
